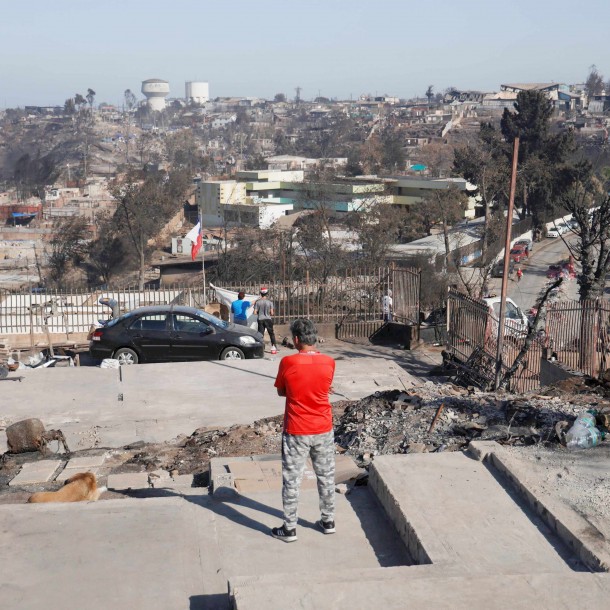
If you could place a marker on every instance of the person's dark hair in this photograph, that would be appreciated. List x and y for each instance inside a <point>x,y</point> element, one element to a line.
<point>241,294</point>
<point>304,329</point>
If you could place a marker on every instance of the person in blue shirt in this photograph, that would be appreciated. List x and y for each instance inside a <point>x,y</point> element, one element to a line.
<point>239,309</point>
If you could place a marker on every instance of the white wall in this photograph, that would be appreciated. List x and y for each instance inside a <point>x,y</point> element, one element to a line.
<point>268,214</point>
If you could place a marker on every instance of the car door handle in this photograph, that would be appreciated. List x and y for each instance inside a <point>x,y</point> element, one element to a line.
<point>138,336</point>
<point>176,336</point>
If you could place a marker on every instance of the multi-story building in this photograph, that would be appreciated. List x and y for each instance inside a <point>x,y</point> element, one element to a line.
<point>259,198</point>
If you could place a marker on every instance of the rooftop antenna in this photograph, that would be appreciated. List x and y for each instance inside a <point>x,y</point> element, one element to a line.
<point>298,89</point>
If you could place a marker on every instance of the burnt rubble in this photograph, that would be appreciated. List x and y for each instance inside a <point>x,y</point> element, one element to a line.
<point>402,421</point>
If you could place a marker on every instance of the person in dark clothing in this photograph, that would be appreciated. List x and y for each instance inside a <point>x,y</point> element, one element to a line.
<point>264,311</point>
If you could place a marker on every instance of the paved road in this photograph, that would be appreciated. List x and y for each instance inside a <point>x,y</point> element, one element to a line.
<point>525,293</point>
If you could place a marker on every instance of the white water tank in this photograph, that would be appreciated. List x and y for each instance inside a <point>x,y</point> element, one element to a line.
<point>197,92</point>
<point>155,90</point>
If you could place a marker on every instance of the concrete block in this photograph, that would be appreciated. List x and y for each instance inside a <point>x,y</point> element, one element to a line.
<point>573,529</point>
<point>131,480</point>
<point>245,470</point>
<point>66,473</point>
<point>346,469</point>
<point>86,462</point>
<point>181,480</point>
<point>480,450</point>
<point>36,472</point>
<point>450,509</point>
<point>251,485</point>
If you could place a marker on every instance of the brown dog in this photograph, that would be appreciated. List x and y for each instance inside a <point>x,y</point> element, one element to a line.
<point>78,488</point>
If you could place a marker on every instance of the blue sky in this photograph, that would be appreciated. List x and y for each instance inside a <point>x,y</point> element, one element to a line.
<point>51,49</point>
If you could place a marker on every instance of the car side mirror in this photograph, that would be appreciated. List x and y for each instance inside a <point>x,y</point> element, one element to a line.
<point>207,331</point>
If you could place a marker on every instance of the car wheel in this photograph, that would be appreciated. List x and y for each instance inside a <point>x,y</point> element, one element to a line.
<point>232,353</point>
<point>126,356</point>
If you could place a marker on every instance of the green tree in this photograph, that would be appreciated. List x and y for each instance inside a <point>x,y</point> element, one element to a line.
<point>130,99</point>
<point>90,97</point>
<point>542,154</point>
<point>279,97</point>
<point>69,106</point>
<point>430,93</point>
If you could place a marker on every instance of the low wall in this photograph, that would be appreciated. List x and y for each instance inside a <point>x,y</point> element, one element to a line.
<point>552,372</point>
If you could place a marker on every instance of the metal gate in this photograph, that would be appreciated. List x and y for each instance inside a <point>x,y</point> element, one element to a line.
<point>405,296</point>
<point>472,332</point>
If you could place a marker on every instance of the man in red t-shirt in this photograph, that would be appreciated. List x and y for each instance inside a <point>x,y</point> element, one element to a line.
<point>305,380</point>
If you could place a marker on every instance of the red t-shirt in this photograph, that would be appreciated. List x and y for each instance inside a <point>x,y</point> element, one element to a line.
<point>306,378</point>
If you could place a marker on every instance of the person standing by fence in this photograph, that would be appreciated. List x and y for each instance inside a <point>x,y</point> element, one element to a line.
<point>239,309</point>
<point>264,311</point>
<point>387,306</point>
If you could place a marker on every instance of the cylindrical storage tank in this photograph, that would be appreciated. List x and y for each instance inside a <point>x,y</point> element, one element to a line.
<point>197,92</point>
<point>155,90</point>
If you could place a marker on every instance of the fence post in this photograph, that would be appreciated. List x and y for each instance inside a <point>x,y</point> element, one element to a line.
<point>307,292</point>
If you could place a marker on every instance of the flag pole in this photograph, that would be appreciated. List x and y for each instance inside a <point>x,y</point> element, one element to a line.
<point>205,299</point>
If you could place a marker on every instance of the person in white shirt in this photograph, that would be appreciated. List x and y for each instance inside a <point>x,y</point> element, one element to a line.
<point>386,306</point>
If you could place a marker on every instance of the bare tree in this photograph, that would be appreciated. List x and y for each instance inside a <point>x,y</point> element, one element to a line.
<point>67,247</point>
<point>144,205</point>
<point>109,253</point>
<point>594,84</point>
<point>590,207</point>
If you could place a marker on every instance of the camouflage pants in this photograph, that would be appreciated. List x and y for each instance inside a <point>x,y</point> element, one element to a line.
<point>296,448</point>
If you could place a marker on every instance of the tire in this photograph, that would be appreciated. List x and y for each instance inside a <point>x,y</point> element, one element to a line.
<point>126,356</point>
<point>232,353</point>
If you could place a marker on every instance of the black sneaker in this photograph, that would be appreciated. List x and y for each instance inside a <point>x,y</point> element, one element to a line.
<point>281,533</point>
<point>328,527</point>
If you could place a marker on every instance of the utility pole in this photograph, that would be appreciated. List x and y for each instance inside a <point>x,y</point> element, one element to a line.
<point>509,227</point>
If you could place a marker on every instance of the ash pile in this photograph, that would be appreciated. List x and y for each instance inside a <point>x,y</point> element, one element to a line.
<point>445,417</point>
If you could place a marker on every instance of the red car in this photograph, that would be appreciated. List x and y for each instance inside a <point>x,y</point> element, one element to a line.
<point>518,253</point>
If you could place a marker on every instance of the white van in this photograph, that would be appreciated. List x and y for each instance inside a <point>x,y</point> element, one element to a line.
<point>515,318</point>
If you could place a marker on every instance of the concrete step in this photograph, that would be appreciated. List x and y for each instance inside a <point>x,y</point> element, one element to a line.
<point>341,575</point>
<point>450,510</point>
<point>466,592</point>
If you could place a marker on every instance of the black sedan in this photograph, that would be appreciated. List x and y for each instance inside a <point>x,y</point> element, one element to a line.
<point>173,333</point>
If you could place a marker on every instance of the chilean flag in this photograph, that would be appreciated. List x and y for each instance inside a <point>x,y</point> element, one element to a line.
<point>196,239</point>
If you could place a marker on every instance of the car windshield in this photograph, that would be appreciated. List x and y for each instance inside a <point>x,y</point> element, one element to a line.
<point>114,321</point>
<point>212,319</point>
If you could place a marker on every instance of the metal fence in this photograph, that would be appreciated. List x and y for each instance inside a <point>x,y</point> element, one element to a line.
<point>472,331</point>
<point>355,295</point>
<point>575,333</point>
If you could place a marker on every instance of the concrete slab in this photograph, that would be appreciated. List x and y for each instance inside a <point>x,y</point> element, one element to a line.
<point>156,402</point>
<point>132,480</point>
<point>241,526</point>
<point>110,554</point>
<point>36,472</point>
<point>449,509</point>
<point>89,461</point>
<point>544,591</point>
<point>66,473</point>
